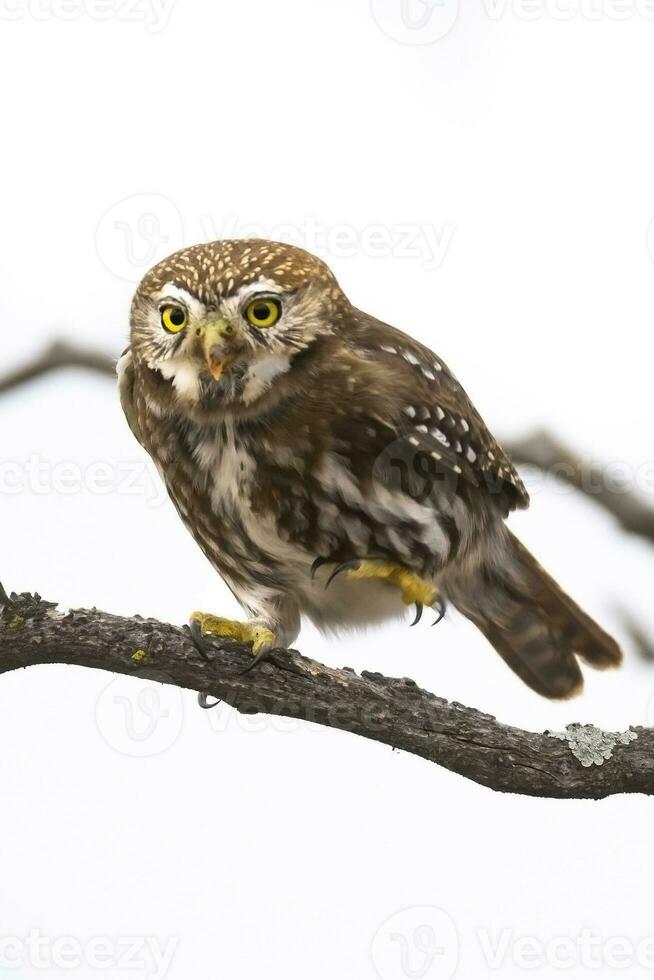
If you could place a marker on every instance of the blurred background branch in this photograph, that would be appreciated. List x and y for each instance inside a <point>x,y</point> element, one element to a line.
<point>542,451</point>
<point>57,355</point>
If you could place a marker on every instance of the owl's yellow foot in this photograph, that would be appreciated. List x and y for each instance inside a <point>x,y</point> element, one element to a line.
<point>411,586</point>
<point>261,638</point>
<point>413,589</point>
<point>204,625</point>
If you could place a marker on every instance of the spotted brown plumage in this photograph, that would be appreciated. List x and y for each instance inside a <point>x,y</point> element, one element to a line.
<point>300,438</point>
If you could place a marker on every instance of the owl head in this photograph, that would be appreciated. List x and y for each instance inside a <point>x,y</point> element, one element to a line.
<point>221,323</point>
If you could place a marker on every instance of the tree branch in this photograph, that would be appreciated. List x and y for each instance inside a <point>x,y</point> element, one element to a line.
<point>580,763</point>
<point>59,354</point>
<point>544,452</point>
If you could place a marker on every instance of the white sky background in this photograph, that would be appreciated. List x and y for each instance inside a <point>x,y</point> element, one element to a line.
<point>256,848</point>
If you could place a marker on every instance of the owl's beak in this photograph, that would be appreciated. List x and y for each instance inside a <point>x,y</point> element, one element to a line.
<point>214,337</point>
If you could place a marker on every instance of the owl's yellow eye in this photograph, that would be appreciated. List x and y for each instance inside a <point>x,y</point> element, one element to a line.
<point>263,312</point>
<point>174,318</point>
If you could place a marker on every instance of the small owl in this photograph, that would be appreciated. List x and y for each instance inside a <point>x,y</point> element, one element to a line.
<point>329,466</point>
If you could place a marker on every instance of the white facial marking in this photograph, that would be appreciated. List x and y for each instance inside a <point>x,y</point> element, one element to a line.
<point>183,375</point>
<point>262,373</point>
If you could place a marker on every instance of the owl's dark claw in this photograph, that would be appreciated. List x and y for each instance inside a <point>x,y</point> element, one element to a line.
<point>419,608</point>
<point>318,563</point>
<point>203,701</point>
<point>344,566</point>
<point>256,661</point>
<point>5,600</point>
<point>440,608</point>
<point>199,639</point>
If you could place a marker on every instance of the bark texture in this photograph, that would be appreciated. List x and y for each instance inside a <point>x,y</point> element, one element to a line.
<point>582,762</point>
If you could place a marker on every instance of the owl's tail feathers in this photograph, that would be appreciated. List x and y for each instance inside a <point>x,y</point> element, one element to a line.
<point>537,629</point>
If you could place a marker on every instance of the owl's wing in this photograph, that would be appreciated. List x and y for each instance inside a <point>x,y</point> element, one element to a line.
<point>125,372</point>
<point>434,418</point>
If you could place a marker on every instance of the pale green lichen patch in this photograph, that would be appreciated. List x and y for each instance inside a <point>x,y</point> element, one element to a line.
<point>16,622</point>
<point>590,745</point>
<point>139,655</point>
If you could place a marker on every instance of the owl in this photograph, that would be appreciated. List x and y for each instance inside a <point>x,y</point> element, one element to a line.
<point>331,467</point>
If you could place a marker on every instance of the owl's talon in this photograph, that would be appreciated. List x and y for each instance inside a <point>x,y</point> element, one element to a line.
<point>257,660</point>
<point>198,638</point>
<point>203,701</point>
<point>441,608</point>
<point>419,608</point>
<point>317,564</point>
<point>4,598</point>
<point>343,566</point>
